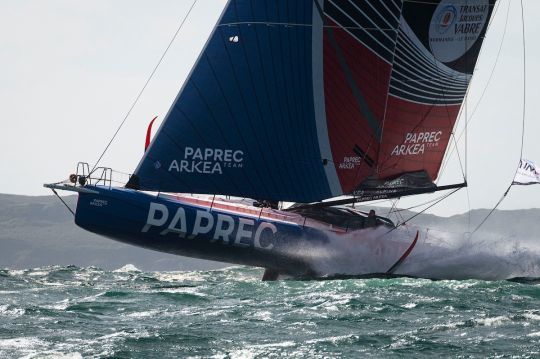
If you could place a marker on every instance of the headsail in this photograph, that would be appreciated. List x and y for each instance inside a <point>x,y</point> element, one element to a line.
<point>310,99</point>
<point>438,45</point>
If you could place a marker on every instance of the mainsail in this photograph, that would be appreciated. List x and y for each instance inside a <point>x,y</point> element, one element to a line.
<point>306,100</point>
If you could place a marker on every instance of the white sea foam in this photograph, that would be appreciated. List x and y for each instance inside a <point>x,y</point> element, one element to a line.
<point>181,290</point>
<point>16,272</point>
<point>145,314</point>
<point>286,344</point>
<point>358,252</point>
<point>437,254</point>
<point>532,316</point>
<point>38,274</point>
<point>121,335</point>
<point>8,311</point>
<point>409,305</point>
<point>490,322</point>
<point>264,315</point>
<point>54,355</point>
<point>61,305</point>
<point>180,276</point>
<point>447,326</point>
<point>257,350</point>
<point>26,343</point>
<point>128,268</point>
<point>333,339</point>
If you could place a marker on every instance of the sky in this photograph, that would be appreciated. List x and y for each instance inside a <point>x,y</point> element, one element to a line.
<point>70,70</point>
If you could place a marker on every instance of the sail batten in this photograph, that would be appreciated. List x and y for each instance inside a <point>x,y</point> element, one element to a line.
<point>305,100</point>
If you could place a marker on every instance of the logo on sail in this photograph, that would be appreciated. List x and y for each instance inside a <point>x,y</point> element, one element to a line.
<point>416,143</point>
<point>455,28</point>
<point>207,160</point>
<point>446,18</point>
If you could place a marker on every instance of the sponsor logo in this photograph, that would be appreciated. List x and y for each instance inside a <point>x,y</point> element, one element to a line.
<point>349,163</point>
<point>415,143</point>
<point>99,203</point>
<point>380,194</point>
<point>207,160</point>
<point>235,231</point>
<point>456,26</point>
<point>446,18</point>
<point>527,173</point>
<point>528,166</point>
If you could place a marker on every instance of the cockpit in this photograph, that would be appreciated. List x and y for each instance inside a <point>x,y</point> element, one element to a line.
<point>343,217</point>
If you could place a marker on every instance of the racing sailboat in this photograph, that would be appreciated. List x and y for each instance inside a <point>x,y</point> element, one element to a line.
<point>301,101</point>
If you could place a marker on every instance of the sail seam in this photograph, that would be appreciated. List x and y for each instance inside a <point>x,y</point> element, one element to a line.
<point>366,32</point>
<point>257,101</point>
<point>266,89</point>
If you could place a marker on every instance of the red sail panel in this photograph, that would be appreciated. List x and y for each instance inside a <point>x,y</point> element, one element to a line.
<point>356,84</point>
<point>415,137</point>
<point>437,48</point>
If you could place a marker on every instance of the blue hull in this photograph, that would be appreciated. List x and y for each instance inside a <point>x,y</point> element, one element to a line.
<point>162,224</point>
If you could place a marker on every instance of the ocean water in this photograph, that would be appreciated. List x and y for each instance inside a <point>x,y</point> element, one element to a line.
<point>71,312</point>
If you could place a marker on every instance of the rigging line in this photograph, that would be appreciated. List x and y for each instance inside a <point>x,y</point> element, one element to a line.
<point>524,82</point>
<point>397,213</point>
<point>371,203</point>
<point>491,212</point>
<point>463,170</point>
<point>484,91</point>
<point>393,208</point>
<point>466,172</point>
<point>456,121</point>
<point>468,208</point>
<point>65,204</point>
<point>467,120</point>
<point>419,205</point>
<point>523,119</point>
<point>145,85</point>
<point>421,212</point>
<point>432,205</point>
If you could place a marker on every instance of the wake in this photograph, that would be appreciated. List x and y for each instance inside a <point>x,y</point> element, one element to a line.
<point>437,255</point>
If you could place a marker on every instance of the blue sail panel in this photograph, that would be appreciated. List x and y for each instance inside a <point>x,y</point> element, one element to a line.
<point>244,122</point>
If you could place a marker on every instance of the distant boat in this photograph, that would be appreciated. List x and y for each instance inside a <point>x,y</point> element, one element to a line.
<point>321,103</point>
